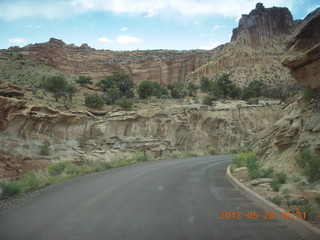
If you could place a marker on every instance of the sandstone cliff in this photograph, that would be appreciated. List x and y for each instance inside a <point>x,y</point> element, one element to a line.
<point>303,55</point>
<point>160,65</point>
<point>81,136</point>
<point>255,50</point>
<point>299,128</point>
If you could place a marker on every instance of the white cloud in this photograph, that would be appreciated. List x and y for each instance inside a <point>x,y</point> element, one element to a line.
<point>124,29</point>
<point>105,40</point>
<point>34,26</point>
<point>210,46</point>
<point>217,27</point>
<point>18,41</point>
<point>128,39</point>
<point>196,23</point>
<point>15,9</point>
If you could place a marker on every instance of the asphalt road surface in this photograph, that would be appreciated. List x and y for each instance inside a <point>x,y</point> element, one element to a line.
<point>164,200</point>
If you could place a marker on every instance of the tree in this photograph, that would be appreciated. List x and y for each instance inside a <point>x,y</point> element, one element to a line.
<point>94,101</point>
<point>117,80</point>
<point>125,103</point>
<point>192,89</point>
<point>224,88</point>
<point>69,93</point>
<point>83,80</point>
<point>57,85</point>
<point>205,84</point>
<point>256,88</point>
<point>177,90</point>
<point>145,89</point>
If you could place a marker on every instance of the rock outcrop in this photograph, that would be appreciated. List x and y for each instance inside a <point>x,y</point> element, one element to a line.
<point>255,50</point>
<point>161,66</point>
<point>11,90</point>
<point>303,55</point>
<point>299,128</point>
<point>263,27</point>
<point>80,136</point>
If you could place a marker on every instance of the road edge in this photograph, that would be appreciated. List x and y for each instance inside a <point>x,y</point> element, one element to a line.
<point>305,229</point>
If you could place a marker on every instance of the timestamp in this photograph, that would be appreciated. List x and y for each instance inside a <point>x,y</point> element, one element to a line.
<point>264,215</point>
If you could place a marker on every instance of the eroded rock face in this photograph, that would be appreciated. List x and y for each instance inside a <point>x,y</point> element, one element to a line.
<point>79,136</point>
<point>299,128</point>
<point>160,66</point>
<point>263,26</point>
<point>303,55</point>
<point>11,90</point>
<point>255,50</point>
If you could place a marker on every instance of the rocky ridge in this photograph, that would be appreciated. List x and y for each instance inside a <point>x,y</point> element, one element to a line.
<point>80,136</point>
<point>255,49</point>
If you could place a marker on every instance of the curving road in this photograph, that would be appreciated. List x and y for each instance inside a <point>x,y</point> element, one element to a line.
<point>164,200</point>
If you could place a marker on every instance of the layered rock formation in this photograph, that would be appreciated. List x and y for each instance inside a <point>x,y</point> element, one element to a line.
<point>303,55</point>
<point>81,136</point>
<point>299,128</point>
<point>255,50</point>
<point>160,66</point>
<point>263,27</point>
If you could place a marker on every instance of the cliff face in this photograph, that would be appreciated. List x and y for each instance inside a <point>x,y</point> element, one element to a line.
<point>255,50</point>
<point>299,128</point>
<point>263,26</point>
<point>79,136</point>
<point>303,55</point>
<point>159,66</point>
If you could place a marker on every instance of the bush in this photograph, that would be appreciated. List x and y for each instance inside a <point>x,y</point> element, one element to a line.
<point>275,185</point>
<point>205,84</point>
<point>213,151</point>
<point>280,177</point>
<point>74,170</point>
<point>310,161</point>
<point>207,100</point>
<point>31,181</point>
<point>94,101</point>
<point>308,94</point>
<point>241,159</point>
<point>125,103</point>
<point>139,156</point>
<point>275,200</point>
<point>44,150</point>
<point>83,80</point>
<point>297,202</point>
<point>12,189</point>
<point>58,168</point>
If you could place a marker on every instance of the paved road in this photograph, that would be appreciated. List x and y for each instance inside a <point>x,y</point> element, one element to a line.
<point>164,200</point>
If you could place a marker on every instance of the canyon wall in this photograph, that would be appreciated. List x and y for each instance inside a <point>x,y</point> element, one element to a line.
<point>299,128</point>
<point>80,136</point>
<point>255,49</point>
<point>160,66</point>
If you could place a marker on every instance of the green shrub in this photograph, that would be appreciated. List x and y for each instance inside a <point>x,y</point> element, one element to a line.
<point>31,181</point>
<point>317,200</point>
<point>241,159</point>
<point>252,162</point>
<point>275,200</point>
<point>308,94</point>
<point>125,103</point>
<point>83,80</point>
<point>297,202</point>
<point>310,161</point>
<point>12,189</point>
<point>280,177</point>
<point>44,150</point>
<point>94,101</point>
<point>275,185</point>
<point>74,170</point>
<point>311,213</point>
<point>266,173</point>
<point>207,100</point>
<point>58,168</point>
<point>213,151</point>
<point>139,156</point>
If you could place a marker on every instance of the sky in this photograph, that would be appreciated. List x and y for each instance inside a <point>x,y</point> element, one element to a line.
<point>131,24</point>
